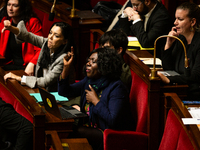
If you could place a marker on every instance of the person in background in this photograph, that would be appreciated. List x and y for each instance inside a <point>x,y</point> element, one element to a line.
<point>186,27</point>
<point>117,39</point>
<point>50,61</point>
<point>16,131</point>
<point>2,7</point>
<point>19,56</point>
<point>103,96</point>
<point>147,20</point>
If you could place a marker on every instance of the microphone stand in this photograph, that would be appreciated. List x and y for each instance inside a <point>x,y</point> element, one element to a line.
<point>52,14</point>
<point>154,71</point>
<point>73,11</point>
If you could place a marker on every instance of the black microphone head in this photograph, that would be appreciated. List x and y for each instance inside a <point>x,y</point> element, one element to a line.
<point>51,16</point>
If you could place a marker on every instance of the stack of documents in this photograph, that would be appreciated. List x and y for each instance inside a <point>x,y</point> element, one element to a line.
<point>149,62</point>
<point>195,113</point>
<point>133,42</point>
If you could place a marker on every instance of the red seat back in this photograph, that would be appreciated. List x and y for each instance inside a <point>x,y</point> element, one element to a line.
<point>175,136</point>
<point>44,18</point>
<point>139,102</point>
<point>8,97</point>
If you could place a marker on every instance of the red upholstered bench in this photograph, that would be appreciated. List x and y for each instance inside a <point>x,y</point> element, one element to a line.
<point>175,136</point>
<point>13,93</point>
<point>139,106</point>
<point>8,97</point>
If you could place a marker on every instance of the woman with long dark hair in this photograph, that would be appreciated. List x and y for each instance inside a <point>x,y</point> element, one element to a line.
<point>50,61</point>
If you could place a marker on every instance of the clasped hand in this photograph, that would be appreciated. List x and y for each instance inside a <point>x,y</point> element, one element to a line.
<point>132,14</point>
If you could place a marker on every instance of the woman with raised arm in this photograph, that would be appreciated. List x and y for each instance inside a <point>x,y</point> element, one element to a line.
<point>103,96</point>
<point>50,61</point>
<point>186,28</point>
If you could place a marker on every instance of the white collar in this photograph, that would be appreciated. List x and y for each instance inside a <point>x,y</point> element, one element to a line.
<point>150,12</point>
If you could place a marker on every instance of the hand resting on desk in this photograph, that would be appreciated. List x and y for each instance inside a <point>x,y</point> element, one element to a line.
<point>163,78</point>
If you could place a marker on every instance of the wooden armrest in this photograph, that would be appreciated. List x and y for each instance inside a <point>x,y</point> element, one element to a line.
<point>53,139</point>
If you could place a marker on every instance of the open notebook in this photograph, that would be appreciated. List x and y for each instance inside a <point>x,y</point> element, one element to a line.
<point>63,112</point>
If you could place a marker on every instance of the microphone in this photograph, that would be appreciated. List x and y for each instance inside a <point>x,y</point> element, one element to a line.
<point>154,71</point>
<point>52,14</point>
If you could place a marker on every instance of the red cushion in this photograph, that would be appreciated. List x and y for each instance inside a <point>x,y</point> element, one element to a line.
<point>44,18</point>
<point>175,137</point>
<point>124,140</point>
<point>46,24</point>
<point>121,2</point>
<point>139,102</point>
<point>39,13</point>
<point>8,97</point>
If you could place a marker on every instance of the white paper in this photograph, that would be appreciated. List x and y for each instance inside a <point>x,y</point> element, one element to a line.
<point>132,38</point>
<point>149,61</point>
<point>187,121</point>
<point>195,113</point>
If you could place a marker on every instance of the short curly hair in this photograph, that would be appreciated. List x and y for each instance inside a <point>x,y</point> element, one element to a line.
<point>109,63</point>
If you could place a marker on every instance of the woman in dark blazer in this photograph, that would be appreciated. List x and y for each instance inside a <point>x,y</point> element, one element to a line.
<point>186,28</point>
<point>103,96</point>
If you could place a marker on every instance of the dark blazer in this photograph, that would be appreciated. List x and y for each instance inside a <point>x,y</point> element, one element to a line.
<point>113,109</point>
<point>159,23</point>
<point>173,59</point>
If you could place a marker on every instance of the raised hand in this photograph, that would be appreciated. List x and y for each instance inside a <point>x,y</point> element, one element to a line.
<point>7,25</point>
<point>67,60</point>
<point>171,40</point>
<point>69,57</point>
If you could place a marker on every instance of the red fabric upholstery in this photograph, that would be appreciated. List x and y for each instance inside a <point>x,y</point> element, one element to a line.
<point>138,139</point>
<point>94,2</point>
<point>139,102</point>
<point>96,46</point>
<point>175,137</point>
<point>125,140</point>
<point>44,18</point>
<point>8,97</point>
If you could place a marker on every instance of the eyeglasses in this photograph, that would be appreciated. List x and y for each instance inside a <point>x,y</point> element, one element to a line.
<point>136,5</point>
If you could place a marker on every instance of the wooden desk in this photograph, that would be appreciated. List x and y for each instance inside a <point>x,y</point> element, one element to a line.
<point>81,27</point>
<point>55,142</point>
<point>172,101</point>
<point>1,60</point>
<point>46,120</point>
